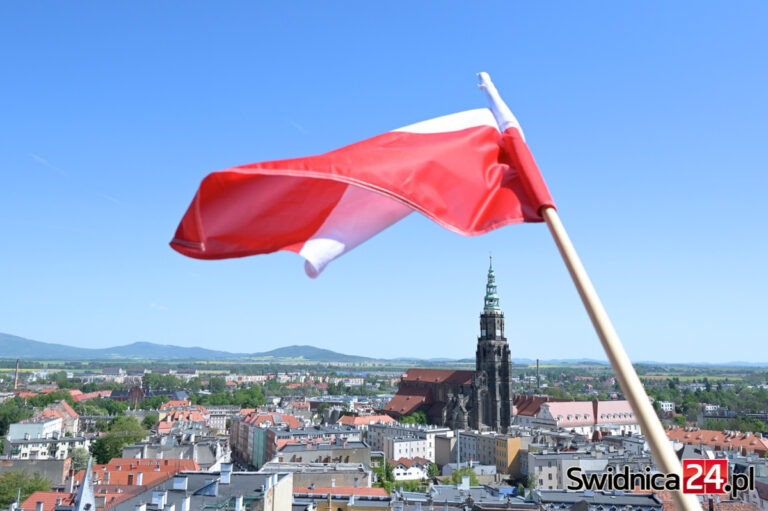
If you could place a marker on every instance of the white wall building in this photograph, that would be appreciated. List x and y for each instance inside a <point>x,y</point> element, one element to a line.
<point>667,406</point>
<point>47,427</point>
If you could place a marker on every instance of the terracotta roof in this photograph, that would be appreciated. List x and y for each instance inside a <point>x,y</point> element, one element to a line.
<point>49,499</point>
<point>112,476</point>
<point>530,405</point>
<point>351,420</point>
<point>257,418</point>
<point>614,412</point>
<point>719,440</point>
<point>68,409</point>
<point>165,465</point>
<point>406,403</point>
<point>409,462</point>
<point>343,490</point>
<point>439,376</point>
<point>175,404</point>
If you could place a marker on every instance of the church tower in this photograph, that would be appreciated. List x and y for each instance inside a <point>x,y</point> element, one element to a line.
<point>493,364</point>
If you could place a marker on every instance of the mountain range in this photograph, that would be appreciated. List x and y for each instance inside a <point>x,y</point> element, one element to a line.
<point>12,347</point>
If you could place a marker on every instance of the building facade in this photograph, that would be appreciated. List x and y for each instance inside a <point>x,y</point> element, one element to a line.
<point>481,399</point>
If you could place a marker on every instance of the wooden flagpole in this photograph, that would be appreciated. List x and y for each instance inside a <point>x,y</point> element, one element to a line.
<point>661,448</point>
<point>663,454</point>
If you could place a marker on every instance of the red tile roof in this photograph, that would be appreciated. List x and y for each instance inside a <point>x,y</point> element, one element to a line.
<point>351,420</point>
<point>404,404</point>
<point>257,418</point>
<point>343,490</point>
<point>742,442</point>
<point>530,405</point>
<point>49,499</point>
<point>439,376</point>
<point>409,462</point>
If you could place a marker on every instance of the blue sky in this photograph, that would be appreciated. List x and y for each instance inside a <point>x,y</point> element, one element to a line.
<point>648,120</point>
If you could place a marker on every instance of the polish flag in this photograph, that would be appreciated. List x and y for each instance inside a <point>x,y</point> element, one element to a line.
<point>470,172</point>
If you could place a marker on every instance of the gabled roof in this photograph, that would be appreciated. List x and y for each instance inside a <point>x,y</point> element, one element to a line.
<point>530,405</point>
<point>49,500</point>
<point>457,377</point>
<point>351,420</point>
<point>257,418</point>
<point>407,401</point>
<point>343,490</point>
<point>409,462</point>
<point>719,439</point>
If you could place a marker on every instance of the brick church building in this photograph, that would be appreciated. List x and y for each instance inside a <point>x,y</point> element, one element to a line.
<point>481,399</point>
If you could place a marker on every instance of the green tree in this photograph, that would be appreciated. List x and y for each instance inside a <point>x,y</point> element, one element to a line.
<point>152,403</point>
<point>217,384</point>
<point>79,457</point>
<point>410,485</point>
<point>679,420</point>
<point>385,475</point>
<point>122,431</point>
<point>418,417</point>
<point>12,411</point>
<point>458,474</point>
<point>249,398</point>
<point>11,482</point>
<point>149,421</point>
<point>433,471</point>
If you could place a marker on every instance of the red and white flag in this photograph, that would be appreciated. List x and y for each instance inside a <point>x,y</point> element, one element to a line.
<point>470,172</point>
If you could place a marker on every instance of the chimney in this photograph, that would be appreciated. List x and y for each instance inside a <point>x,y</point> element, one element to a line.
<point>16,376</point>
<point>239,503</point>
<point>170,507</point>
<point>185,503</point>
<point>158,499</point>
<point>226,473</point>
<point>538,377</point>
<point>180,483</point>
<point>357,482</point>
<point>333,482</point>
<point>140,507</point>
<point>139,478</point>
<point>59,501</point>
<point>39,505</point>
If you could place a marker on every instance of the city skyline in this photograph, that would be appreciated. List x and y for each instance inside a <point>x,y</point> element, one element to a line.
<point>647,125</point>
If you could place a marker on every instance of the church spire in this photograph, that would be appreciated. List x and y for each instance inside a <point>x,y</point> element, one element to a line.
<point>491,296</point>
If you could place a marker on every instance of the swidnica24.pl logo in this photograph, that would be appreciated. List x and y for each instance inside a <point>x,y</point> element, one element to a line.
<point>699,477</point>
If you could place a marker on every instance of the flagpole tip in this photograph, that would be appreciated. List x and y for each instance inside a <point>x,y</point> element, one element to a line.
<point>485,79</point>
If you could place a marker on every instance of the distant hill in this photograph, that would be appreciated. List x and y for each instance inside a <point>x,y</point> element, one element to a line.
<point>12,346</point>
<point>310,353</point>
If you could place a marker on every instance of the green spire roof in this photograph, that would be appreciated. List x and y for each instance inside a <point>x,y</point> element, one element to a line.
<point>491,296</point>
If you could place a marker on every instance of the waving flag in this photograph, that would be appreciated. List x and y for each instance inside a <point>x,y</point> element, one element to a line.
<point>460,170</point>
<point>470,172</point>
